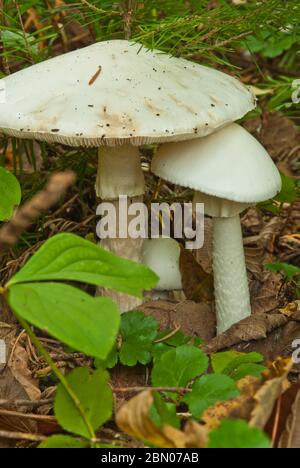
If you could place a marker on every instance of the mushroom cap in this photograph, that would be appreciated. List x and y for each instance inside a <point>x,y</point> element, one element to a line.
<point>229,164</point>
<point>117,92</point>
<point>162,256</point>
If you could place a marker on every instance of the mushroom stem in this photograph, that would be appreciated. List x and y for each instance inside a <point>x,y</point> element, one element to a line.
<point>230,276</point>
<point>120,173</point>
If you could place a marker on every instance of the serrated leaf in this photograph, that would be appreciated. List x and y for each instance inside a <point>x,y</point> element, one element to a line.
<point>67,257</point>
<point>94,393</point>
<point>177,367</point>
<point>62,442</point>
<point>229,362</point>
<point>10,194</point>
<point>83,322</point>
<point>108,363</point>
<point>138,333</point>
<point>255,370</point>
<point>238,434</point>
<point>209,390</point>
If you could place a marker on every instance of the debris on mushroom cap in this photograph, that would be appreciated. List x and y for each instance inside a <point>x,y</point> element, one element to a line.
<point>229,164</point>
<point>118,91</point>
<point>162,256</point>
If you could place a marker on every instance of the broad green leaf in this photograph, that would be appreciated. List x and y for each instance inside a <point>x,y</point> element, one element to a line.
<point>247,369</point>
<point>83,322</point>
<point>238,434</point>
<point>178,339</point>
<point>209,390</point>
<point>177,367</point>
<point>62,442</point>
<point>138,333</point>
<point>10,194</point>
<point>229,362</point>
<point>95,395</point>
<point>67,257</point>
<point>164,413</point>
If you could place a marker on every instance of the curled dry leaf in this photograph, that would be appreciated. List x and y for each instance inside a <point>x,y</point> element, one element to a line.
<point>275,385</point>
<point>291,436</point>
<point>197,285</point>
<point>134,419</point>
<point>292,311</point>
<point>255,327</point>
<point>257,399</point>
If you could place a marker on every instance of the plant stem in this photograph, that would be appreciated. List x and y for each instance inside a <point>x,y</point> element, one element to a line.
<point>59,375</point>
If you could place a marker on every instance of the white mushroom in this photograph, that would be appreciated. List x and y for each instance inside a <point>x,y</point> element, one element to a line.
<point>118,95</point>
<point>230,171</point>
<point>162,256</point>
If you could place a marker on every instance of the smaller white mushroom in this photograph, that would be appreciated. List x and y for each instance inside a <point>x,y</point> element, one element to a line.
<point>162,256</point>
<point>230,171</point>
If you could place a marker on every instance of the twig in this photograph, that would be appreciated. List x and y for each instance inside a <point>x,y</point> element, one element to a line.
<point>99,10</point>
<point>34,417</point>
<point>155,389</point>
<point>34,208</point>
<point>22,436</point>
<point>25,403</point>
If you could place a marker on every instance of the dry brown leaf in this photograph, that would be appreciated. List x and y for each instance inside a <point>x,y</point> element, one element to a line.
<point>196,435</point>
<point>238,408</point>
<point>292,311</point>
<point>133,418</point>
<point>192,318</point>
<point>18,365</point>
<point>196,283</point>
<point>276,384</point>
<point>255,327</point>
<point>291,436</point>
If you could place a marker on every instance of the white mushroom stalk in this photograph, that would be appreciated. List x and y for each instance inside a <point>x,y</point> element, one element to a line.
<point>230,171</point>
<point>162,256</point>
<point>120,174</point>
<point>118,95</point>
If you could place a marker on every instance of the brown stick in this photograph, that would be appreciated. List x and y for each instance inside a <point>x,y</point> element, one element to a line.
<point>34,208</point>
<point>27,403</point>
<point>22,436</point>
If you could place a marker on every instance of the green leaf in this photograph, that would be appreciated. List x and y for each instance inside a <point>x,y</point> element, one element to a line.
<point>138,332</point>
<point>178,339</point>
<point>164,413</point>
<point>289,192</point>
<point>177,367</point>
<point>108,363</point>
<point>230,362</point>
<point>63,441</point>
<point>10,194</point>
<point>83,322</point>
<point>94,393</point>
<point>247,369</point>
<point>209,390</point>
<point>67,257</point>
<point>238,434</point>
<point>290,271</point>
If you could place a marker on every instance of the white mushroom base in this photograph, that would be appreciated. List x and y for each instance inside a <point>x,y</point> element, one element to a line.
<point>230,275</point>
<point>126,248</point>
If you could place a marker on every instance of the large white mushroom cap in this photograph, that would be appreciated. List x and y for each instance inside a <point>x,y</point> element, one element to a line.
<point>117,92</point>
<point>162,256</point>
<point>230,164</point>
